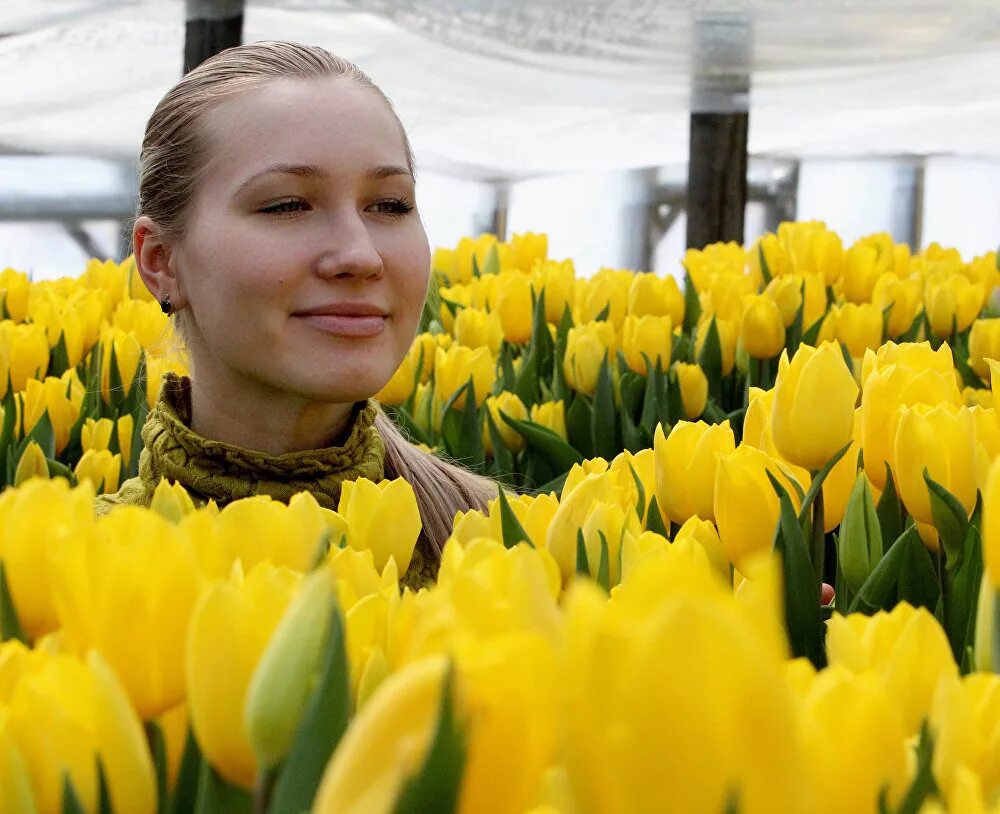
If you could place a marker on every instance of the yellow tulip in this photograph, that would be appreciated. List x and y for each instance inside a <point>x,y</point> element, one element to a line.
<point>171,500</point>
<point>649,335</point>
<point>608,288</point>
<point>101,468</point>
<point>586,346</point>
<point>62,321</point>
<point>813,249</point>
<point>64,713</point>
<point>422,352</point>
<point>145,320</point>
<point>551,415</point>
<point>399,388</point>
<point>861,271</point>
<point>905,647</point>
<point>616,524</point>
<point>363,504</point>
<point>991,524</point>
<point>887,389</point>
<point>16,796</point>
<point>952,303</point>
<point>229,630</point>
<point>858,712</point>
<point>31,465</point>
<point>96,435</point>
<point>762,329</point>
<point>108,277</point>
<point>694,389</point>
<point>859,327</point>
<point>775,255</point>
<point>131,574</point>
<point>841,479</point>
<point>941,439</point>
<point>475,328</point>
<point>984,343</point>
<point>127,351</point>
<point>156,367</point>
<point>814,299</point>
<point>15,288</point>
<point>24,354</point>
<point>38,519</point>
<point>558,280</point>
<point>510,404</point>
<point>649,295</point>
<point>514,306</point>
<point>904,295</point>
<point>814,399</point>
<point>746,504</point>
<point>727,341</point>
<point>704,533</point>
<point>686,463</point>
<point>725,296</point>
<point>527,249</point>
<point>786,293</point>
<point>455,366</point>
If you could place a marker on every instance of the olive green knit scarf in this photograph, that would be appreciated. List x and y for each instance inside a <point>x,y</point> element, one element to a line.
<point>212,470</point>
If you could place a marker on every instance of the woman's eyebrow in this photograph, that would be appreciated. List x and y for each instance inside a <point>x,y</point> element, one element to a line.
<point>312,171</point>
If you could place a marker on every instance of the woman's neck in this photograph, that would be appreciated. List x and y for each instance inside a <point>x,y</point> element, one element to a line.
<point>255,416</point>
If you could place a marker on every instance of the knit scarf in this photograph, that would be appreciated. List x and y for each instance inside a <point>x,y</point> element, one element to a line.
<point>213,470</point>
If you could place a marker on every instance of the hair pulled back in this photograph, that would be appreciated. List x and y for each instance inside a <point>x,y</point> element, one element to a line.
<point>175,152</point>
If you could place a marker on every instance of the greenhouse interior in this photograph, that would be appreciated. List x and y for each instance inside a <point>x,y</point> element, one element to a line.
<point>643,457</point>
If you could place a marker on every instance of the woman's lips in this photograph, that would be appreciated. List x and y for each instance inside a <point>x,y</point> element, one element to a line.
<point>343,325</point>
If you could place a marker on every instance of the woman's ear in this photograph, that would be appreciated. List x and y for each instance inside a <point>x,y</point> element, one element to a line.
<point>155,261</point>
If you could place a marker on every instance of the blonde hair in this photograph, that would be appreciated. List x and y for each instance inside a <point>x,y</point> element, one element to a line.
<point>174,155</point>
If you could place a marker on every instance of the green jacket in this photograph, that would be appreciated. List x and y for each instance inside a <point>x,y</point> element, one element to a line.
<point>212,470</point>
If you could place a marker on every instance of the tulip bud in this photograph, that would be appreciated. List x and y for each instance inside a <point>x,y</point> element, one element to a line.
<point>586,346</point>
<point>814,398</point>
<point>686,463</point>
<point>859,546</point>
<point>101,468</point>
<point>16,288</point>
<point>607,289</point>
<point>363,503</point>
<point>31,465</point>
<point>904,295</point>
<point>127,353</point>
<point>941,439</point>
<point>527,249</point>
<point>558,280</point>
<point>762,329</point>
<point>984,343</point>
<point>694,389</point>
<point>861,271</point>
<point>786,292</point>
<point>727,341</point>
<point>647,335</point>
<point>171,500</point>
<point>279,687</point>
<point>552,415</point>
<point>398,389</point>
<point>26,357</point>
<point>859,327</point>
<point>510,404</point>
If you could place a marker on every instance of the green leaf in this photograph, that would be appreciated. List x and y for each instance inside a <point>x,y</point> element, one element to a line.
<point>950,519</point>
<point>582,564</point>
<point>817,482</point>
<point>59,358</point>
<point>603,574</point>
<point>632,437</point>
<point>923,784</point>
<point>604,421</point>
<point>710,360</point>
<point>811,333</point>
<point>103,791</point>
<point>650,407</point>
<point>513,531</point>
<point>890,512</point>
<point>116,390</point>
<point>765,270</point>
<point>603,315</point>
<point>492,264</point>
<point>324,720</point>
<point>43,434</point>
<point>7,429</point>
<point>918,582</point>
<point>640,506</point>
<point>654,520</point>
<point>560,390</point>
<point>579,419</point>
<point>215,794</point>
<point>436,786</point>
<point>402,419</point>
<point>560,454</point>
<point>461,429</point>
<point>70,800</point>
<point>692,305</point>
<point>875,594</point>
<point>185,792</point>
<point>10,626</point>
<point>961,590</point>
<point>803,619</point>
<point>526,386</point>
<point>793,337</point>
<point>503,460</point>
<point>158,752</point>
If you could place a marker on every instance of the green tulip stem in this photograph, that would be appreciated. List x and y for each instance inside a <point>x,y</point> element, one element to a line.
<point>944,582</point>
<point>266,778</point>
<point>817,542</point>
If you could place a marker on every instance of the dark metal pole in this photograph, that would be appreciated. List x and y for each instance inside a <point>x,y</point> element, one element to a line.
<point>717,163</point>
<point>212,26</point>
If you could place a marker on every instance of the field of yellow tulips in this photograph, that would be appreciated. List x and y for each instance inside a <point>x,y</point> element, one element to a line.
<point>642,621</point>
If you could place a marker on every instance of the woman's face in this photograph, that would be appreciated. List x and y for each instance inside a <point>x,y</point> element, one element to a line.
<point>305,264</point>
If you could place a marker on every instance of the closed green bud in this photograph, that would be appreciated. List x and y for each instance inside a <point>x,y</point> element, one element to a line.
<point>280,685</point>
<point>859,547</point>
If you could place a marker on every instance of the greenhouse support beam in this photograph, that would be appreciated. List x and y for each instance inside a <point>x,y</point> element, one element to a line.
<point>212,26</point>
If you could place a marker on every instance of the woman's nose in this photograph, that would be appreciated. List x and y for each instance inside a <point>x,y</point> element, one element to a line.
<point>349,250</point>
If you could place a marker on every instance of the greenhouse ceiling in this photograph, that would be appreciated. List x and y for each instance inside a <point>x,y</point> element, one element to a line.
<point>508,89</point>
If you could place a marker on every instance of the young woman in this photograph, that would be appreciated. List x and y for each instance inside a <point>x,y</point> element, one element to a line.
<point>277,222</point>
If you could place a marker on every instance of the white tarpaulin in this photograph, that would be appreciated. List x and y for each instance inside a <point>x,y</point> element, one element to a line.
<point>508,89</point>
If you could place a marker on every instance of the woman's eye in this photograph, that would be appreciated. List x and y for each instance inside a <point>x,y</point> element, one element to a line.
<point>283,207</point>
<point>395,207</point>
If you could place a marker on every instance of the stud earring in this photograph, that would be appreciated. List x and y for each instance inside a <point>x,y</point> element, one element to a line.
<point>166,306</point>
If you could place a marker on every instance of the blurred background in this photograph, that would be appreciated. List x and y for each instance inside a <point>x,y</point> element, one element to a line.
<point>584,119</point>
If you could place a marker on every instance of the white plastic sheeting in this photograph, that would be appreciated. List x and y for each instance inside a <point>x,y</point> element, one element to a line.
<point>512,89</point>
